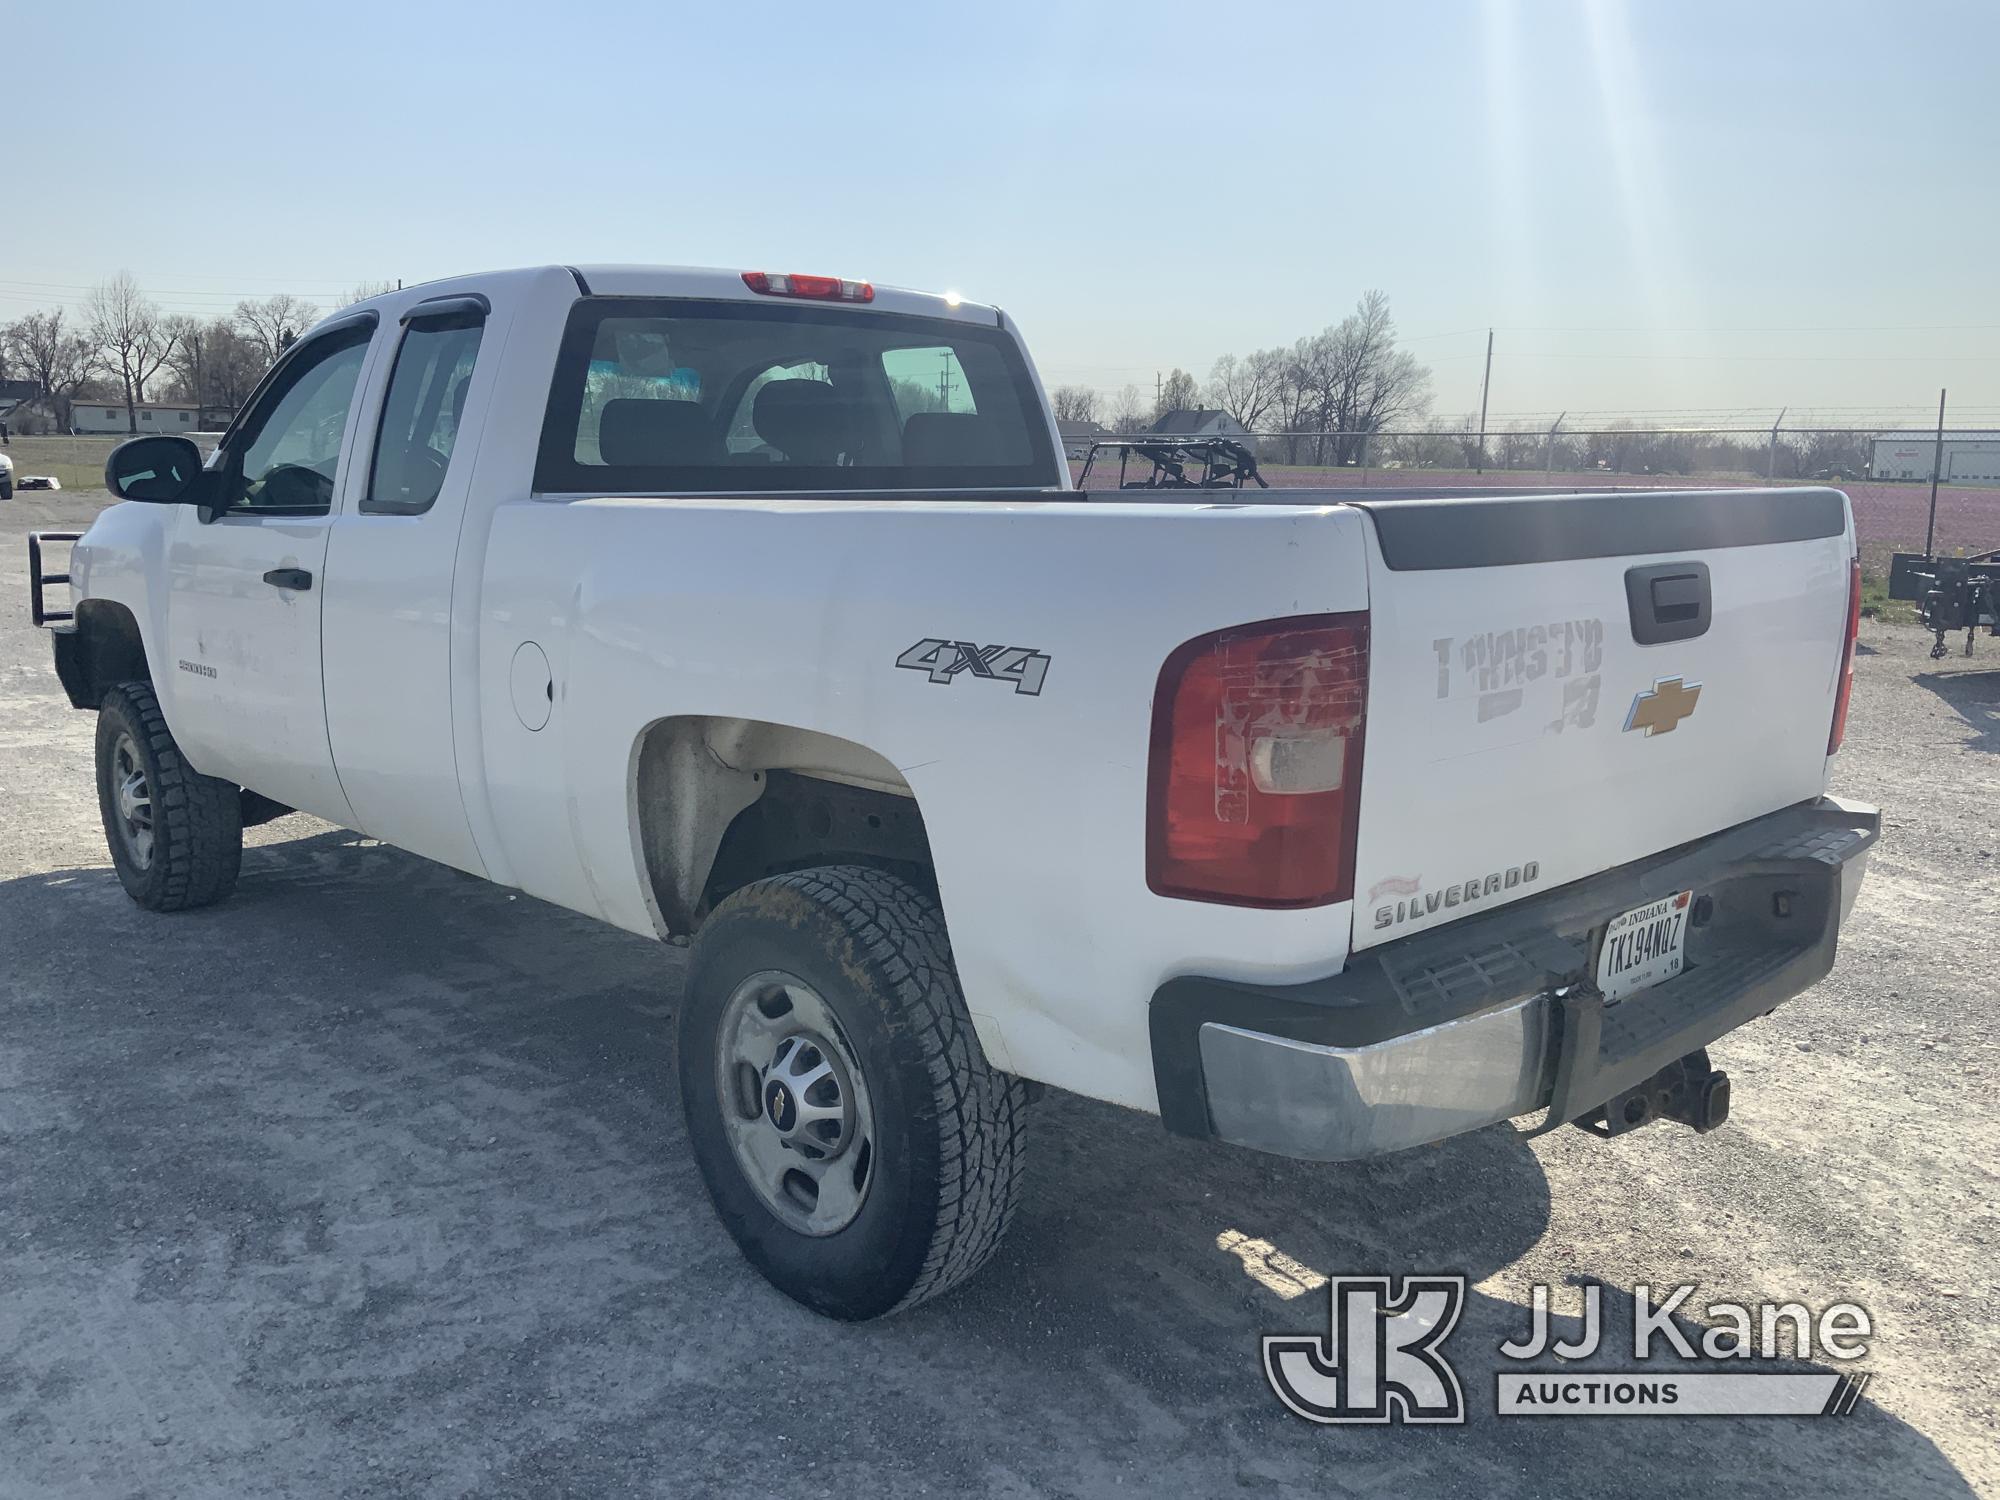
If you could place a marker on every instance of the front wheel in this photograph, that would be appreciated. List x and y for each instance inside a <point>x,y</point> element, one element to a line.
<point>176,836</point>
<point>850,1133</point>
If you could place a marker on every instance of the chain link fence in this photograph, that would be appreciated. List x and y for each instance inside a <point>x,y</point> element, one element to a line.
<point>1735,455</point>
<point>1885,471</point>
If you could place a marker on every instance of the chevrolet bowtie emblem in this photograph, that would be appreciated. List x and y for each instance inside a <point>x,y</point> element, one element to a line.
<point>1658,711</point>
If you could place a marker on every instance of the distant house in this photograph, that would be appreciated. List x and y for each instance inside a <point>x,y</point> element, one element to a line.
<point>153,416</point>
<point>1207,422</point>
<point>15,394</point>
<point>1078,436</point>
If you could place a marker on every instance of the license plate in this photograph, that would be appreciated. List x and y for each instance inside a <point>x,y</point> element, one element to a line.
<point>1643,946</point>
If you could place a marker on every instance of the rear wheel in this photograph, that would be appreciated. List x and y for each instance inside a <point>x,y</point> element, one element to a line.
<point>176,836</point>
<point>850,1133</point>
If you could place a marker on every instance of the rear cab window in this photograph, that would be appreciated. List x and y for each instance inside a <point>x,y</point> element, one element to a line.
<point>421,412</point>
<point>678,396</point>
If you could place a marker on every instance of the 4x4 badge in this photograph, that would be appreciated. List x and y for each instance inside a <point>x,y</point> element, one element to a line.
<point>944,660</point>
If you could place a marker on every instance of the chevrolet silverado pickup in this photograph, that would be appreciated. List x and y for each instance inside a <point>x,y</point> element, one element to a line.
<point>759,612</point>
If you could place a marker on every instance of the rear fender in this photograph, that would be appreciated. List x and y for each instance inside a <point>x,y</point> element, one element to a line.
<point>693,775</point>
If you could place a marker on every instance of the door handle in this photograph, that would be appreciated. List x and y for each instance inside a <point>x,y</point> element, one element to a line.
<point>289,578</point>
<point>1669,602</point>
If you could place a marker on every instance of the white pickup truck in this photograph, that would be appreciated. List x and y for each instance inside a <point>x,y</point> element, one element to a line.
<point>759,611</point>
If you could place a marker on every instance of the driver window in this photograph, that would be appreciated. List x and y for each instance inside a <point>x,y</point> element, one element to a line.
<point>293,448</point>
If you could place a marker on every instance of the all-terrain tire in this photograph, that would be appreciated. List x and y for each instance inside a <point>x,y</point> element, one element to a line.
<point>196,821</point>
<point>949,1137</point>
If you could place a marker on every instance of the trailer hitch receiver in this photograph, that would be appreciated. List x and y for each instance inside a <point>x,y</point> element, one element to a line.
<point>1688,1090</point>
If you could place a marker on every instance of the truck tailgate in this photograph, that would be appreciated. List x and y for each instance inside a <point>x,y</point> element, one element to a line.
<point>1561,684</point>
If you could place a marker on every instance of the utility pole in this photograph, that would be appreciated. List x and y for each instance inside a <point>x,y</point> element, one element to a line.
<point>1937,466</point>
<point>944,382</point>
<point>1159,395</point>
<point>1771,458</point>
<point>1485,381</point>
<point>1549,447</point>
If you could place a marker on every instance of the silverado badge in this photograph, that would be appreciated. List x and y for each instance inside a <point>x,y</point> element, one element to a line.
<point>1659,710</point>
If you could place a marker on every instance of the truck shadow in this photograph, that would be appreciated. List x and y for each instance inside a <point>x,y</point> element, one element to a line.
<point>1976,698</point>
<point>377,1172</point>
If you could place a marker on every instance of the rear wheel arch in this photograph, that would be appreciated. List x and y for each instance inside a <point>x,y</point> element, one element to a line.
<point>720,802</point>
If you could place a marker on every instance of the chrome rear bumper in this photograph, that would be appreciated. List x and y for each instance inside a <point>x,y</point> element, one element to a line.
<point>1336,1103</point>
<point>1495,1017</point>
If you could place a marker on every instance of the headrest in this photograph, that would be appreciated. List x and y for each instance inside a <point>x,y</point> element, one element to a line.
<point>653,434</point>
<point>949,439</point>
<point>806,420</point>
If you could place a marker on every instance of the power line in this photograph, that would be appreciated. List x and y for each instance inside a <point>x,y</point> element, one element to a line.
<point>71,286</point>
<point>1724,358</point>
<point>1746,328</point>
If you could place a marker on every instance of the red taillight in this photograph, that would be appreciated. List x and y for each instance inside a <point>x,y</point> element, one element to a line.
<point>1845,688</point>
<point>1256,770</point>
<point>825,288</point>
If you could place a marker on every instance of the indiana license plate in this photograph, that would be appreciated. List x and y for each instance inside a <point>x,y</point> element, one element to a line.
<point>1643,946</point>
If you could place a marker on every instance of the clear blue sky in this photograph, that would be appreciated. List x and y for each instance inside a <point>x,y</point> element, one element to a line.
<point>1660,204</point>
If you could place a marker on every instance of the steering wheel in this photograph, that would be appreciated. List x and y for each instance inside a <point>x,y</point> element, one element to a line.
<point>431,464</point>
<point>410,481</point>
<point>294,486</point>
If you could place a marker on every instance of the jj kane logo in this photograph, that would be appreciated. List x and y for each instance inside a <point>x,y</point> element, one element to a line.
<point>1379,1359</point>
<point>1382,1358</point>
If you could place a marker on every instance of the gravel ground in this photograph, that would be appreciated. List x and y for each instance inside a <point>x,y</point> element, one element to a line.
<point>372,1181</point>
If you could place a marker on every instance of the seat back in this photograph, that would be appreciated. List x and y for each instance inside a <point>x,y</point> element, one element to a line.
<point>806,420</point>
<point>651,434</point>
<point>950,439</point>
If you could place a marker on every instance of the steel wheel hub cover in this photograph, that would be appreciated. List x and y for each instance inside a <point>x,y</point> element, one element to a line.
<point>795,1105</point>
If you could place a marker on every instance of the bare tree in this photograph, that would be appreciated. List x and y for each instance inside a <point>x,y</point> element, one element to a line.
<point>275,322</point>
<point>1296,405</point>
<point>1369,382</point>
<point>913,396</point>
<point>234,364</point>
<point>214,365</point>
<point>1466,435</point>
<point>131,338</point>
<point>1178,392</point>
<point>366,291</point>
<point>185,360</point>
<point>57,358</point>
<point>1247,388</point>
<point>1074,403</point>
<point>1436,445</point>
<point>1341,385</point>
<point>1128,410</point>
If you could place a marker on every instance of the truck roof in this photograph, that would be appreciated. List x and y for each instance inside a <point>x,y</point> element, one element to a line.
<point>708,282</point>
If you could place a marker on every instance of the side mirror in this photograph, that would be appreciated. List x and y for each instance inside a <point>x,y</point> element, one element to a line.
<point>159,470</point>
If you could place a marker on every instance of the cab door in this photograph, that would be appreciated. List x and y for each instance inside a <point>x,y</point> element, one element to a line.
<point>244,583</point>
<point>390,567</point>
